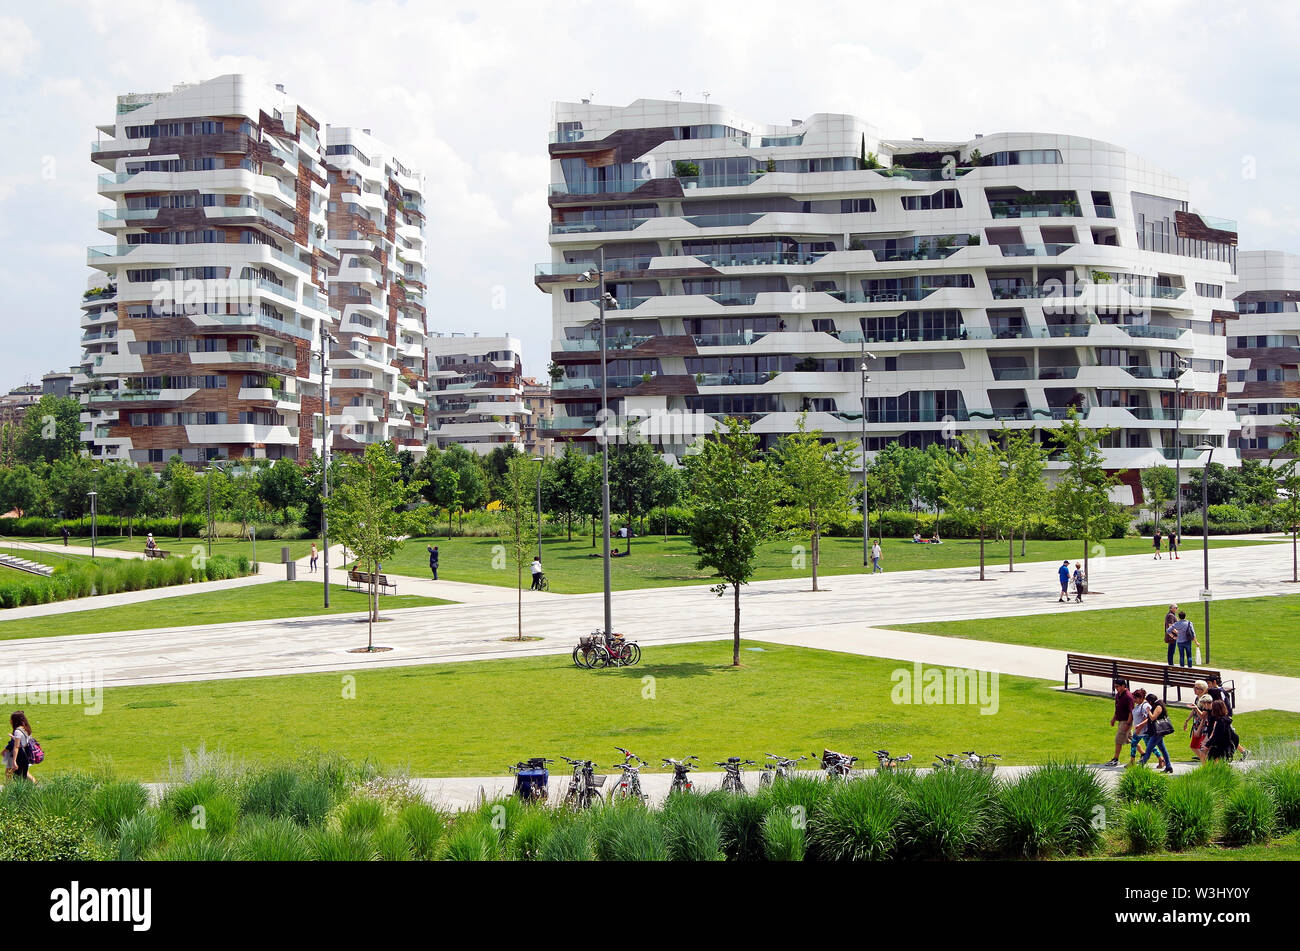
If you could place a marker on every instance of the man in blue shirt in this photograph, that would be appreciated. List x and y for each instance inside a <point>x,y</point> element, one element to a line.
<point>1064,573</point>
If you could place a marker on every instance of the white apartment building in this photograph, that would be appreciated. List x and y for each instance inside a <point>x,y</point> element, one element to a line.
<point>477,396</point>
<point>203,325</point>
<point>997,281</point>
<point>1264,350</point>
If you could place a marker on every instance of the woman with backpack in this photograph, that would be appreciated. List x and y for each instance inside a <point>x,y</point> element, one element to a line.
<point>18,753</point>
<point>1155,728</point>
<point>1221,742</point>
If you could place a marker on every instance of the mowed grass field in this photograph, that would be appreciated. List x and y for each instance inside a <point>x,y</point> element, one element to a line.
<point>658,562</point>
<point>268,549</point>
<point>1255,634</point>
<point>473,719</point>
<point>256,602</point>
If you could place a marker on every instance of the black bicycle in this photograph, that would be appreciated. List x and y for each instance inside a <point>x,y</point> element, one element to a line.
<point>781,767</point>
<point>681,773</point>
<point>732,768</point>
<point>891,762</point>
<point>975,760</point>
<point>837,765</point>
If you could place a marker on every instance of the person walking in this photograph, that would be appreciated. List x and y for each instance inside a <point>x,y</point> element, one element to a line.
<point>17,752</point>
<point>1222,742</point>
<point>875,557</point>
<point>1063,573</point>
<point>1139,715</point>
<point>1173,546</point>
<point>1154,728</point>
<point>1122,720</point>
<point>1184,637</point>
<point>1171,639</point>
<point>433,560</point>
<point>537,575</point>
<point>65,533</point>
<point>1079,582</point>
<point>1155,541</point>
<point>315,556</point>
<point>1198,718</point>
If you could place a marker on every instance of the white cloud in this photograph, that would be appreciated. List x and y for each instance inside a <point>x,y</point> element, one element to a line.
<point>18,47</point>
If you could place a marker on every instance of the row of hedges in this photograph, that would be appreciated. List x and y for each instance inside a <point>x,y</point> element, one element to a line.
<point>194,527</point>
<point>326,809</point>
<point>81,580</point>
<point>1192,526</point>
<point>902,524</point>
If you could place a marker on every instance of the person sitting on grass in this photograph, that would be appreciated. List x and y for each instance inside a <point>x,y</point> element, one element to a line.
<point>916,538</point>
<point>935,539</point>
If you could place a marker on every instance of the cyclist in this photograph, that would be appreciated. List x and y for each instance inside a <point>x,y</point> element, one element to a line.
<point>537,575</point>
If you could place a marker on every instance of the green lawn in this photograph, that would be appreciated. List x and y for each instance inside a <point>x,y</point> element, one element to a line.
<point>1256,634</point>
<point>274,599</point>
<point>470,719</point>
<point>655,562</point>
<point>1283,849</point>
<point>54,560</point>
<point>268,549</point>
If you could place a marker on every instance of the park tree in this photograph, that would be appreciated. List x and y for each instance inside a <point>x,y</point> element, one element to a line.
<point>243,502</point>
<point>20,489</point>
<point>132,494</point>
<point>563,488</point>
<point>281,485</point>
<point>1081,497</point>
<point>370,513</point>
<point>182,490</point>
<point>69,481</point>
<point>1286,463</point>
<point>1160,485</point>
<point>632,472</point>
<point>974,483</point>
<point>518,523</point>
<point>51,430</point>
<point>733,492</point>
<point>815,479</point>
<point>1025,461</point>
<point>495,465</point>
<point>669,487</point>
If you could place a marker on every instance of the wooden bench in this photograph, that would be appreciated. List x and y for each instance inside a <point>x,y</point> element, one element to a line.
<point>363,579</point>
<point>1143,673</point>
<point>156,553</point>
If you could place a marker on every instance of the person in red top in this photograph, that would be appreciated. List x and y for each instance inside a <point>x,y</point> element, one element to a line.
<point>1122,721</point>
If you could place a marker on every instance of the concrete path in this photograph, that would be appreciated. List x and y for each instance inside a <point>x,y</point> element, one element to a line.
<point>851,615</point>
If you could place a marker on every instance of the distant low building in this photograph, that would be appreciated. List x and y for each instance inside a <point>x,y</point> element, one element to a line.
<point>536,425</point>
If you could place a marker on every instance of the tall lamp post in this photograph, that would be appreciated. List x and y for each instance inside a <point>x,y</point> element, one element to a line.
<point>94,526</point>
<point>1182,367</point>
<point>541,463</point>
<point>1205,539</point>
<point>325,341</point>
<point>603,298</point>
<point>866,502</point>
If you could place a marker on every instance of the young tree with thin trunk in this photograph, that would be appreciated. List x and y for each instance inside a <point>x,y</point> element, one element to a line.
<point>1160,485</point>
<point>733,492</point>
<point>182,489</point>
<point>1025,460</point>
<point>518,522</point>
<point>369,512</point>
<point>973,482</point>
<point>1287,460</point>
<point>816,480</point>
<point>1081,497</point>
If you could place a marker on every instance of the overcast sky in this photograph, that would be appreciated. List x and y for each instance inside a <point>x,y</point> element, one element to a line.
<point>1207,90</point>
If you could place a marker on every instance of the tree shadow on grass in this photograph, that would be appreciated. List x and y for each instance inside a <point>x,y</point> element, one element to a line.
<point>678,671</point>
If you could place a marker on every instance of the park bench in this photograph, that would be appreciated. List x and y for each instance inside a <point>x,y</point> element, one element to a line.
<point>1135,671</point>
<point>363,579</point>
<point>156,553</point>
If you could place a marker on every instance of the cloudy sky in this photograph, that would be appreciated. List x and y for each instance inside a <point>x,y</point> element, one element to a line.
<point>463,92</point>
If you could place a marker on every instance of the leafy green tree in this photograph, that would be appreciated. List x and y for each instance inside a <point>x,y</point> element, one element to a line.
<point>244,502</point>
<point>495,464</point>
<point>51,430</point>
<point>1286,459</point>
<point>733,492</point>
<point>669,488</point>
<point>20,489</point>
<point>974,483</point>
<point>1081,497</point>
<point>1027,495</point>
<point>182,490</point>
<point>369,512</point>
<point>1160,485</point>
<point>69,481</point>
<point>518,522</point>
<point>1256,483</point>
<point>632,472</point>
<point>281,485</point>
<point>563,488</point>
<point>132,492</point>
<point>816,480</point>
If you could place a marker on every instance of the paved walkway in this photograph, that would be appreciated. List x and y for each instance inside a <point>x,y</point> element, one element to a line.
<point>852,615</point>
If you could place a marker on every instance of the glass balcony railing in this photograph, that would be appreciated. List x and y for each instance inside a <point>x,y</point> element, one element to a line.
<point>726,340</point>
<point>735,379</point>
<point>278,289</point>
<point>1013,373</point>
<point>593,383</point>
<point>611,343</point>
<point>124,396</point>
<point>1151,373</point>
<point>1041,210</point>
<point>770,258</point>
<point>121,215</point>
<point>592,227</point>
<point>1015,290</point>
<point>1033,250</point>
<point>917,416</point>
<point>922,174</point>
<point>722,221</point>
<point>567,422</point>
<point>1159,333</point>
<point>574,268</point>
<point>884,296</point>
<point>915,254</point>
<point>612,187</point>
<point>1058,373</point>
<point>736,180</point>
<point>1220,224</point>
<point>1105,211</point>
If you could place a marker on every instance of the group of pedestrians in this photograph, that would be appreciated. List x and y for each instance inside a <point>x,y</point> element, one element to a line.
<point>1066,577</point>
<point>1180,634</point>
<point>1141,719</point>
<point>1171,539</point>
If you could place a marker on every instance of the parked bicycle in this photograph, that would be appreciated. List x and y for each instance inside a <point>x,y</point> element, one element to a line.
<point>837,765</point>
<point>945,761</point>
<point>780,768</point>
<point>532,779</point>
<point>629,785</point>
<point>975,760</point>
<point>599,650</point>
<point>732,768</point>
<point>681,773</point>
<point>584,785</point>
<point>891,762</point>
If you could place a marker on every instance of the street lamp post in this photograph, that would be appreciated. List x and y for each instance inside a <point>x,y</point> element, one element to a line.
<point>1205,541</point>
<point>1183,366</point>
<point>94,525</point>
<point>325,341</point>
<point>597,277</point>
<point>866,502</point>
<point>541,462</point>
